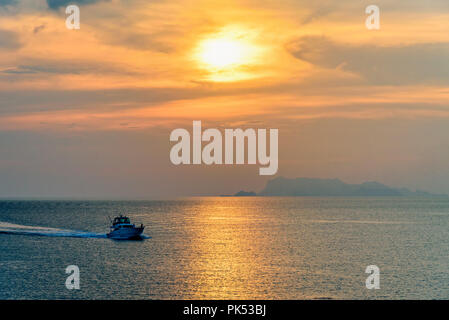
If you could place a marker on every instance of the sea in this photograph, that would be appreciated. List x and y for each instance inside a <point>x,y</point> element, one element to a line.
<point>227,248</point>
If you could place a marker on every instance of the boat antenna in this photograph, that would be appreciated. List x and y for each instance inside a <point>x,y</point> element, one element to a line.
<point>110,220</point>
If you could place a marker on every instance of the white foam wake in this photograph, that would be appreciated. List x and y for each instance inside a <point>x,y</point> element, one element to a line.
<point>10,228</point>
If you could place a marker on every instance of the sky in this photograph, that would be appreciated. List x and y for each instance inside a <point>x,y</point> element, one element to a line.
<point>88,113</point>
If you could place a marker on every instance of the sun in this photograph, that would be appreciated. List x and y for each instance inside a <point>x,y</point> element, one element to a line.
<point>231,54</point>
<point>223,53</point>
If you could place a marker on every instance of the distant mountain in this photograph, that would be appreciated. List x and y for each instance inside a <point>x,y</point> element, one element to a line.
<point>245,194</point>
<point>333,187</point>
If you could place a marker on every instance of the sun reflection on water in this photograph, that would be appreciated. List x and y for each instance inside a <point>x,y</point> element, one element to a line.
<point>226,246</point>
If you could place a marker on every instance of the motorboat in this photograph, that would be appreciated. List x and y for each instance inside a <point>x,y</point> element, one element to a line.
<point>123,229</point>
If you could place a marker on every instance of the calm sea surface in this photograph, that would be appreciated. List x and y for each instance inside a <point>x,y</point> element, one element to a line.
<point>228,248</point>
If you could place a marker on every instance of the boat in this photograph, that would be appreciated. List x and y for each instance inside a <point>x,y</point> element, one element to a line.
<point>122,229</point>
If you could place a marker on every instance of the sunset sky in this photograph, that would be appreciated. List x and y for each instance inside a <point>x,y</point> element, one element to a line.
<point>88,113</point>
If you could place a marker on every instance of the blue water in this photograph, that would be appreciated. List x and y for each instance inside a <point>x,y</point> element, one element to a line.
<point>228,248</point>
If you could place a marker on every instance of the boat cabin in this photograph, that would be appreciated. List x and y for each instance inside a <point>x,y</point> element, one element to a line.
<point>121,220</point>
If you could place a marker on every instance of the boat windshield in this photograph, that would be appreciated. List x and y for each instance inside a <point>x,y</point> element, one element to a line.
<point>121,220</point>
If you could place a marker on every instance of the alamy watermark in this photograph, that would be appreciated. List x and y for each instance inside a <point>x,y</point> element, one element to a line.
<point>73,280</point>
<point>72,22</point>
<point>212,153</point>
<point>373,280</point>
<point>372,22</point>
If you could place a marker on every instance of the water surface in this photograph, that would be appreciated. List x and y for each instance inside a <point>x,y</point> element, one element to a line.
<point>228,248</point>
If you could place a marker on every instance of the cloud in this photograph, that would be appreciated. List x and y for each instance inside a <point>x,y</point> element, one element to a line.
<point>38,28</point>
<point>324,9</point>
<point>422,63</point>
<point>61,67</point>
<point>7,2</point>
<point>139,41</point>
<point>56,4</point>
<point>9,40</point>
<point>19,101</point>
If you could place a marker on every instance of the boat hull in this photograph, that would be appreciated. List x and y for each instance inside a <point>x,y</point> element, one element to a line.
<point>126,234</point>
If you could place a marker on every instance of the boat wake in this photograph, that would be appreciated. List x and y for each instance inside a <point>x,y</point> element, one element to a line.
<point>10,228</point>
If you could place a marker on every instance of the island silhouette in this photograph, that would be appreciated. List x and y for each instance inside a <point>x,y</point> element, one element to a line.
<point>297,187</point>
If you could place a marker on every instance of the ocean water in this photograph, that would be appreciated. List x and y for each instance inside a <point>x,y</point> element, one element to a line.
<point>228,248</point>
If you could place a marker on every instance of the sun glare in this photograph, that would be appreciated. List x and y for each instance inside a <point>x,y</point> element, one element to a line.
<point>222,53</point>
<point>228,55</point>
